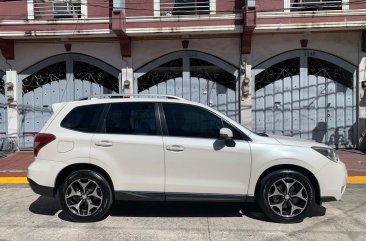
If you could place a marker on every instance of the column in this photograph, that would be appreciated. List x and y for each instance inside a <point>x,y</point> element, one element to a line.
<point>30,9</point>
<point>245,91</point>
<point>127,81</point>
<point>12,95</point>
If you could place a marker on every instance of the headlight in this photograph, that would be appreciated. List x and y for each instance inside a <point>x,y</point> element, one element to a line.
<point>327,152</point>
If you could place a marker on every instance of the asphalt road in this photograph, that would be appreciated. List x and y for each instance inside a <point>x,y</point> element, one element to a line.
<point>27,216</point>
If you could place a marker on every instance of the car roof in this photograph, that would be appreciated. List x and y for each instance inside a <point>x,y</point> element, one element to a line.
<point>126,100</point>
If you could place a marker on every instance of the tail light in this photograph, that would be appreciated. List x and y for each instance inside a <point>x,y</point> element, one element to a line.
<point>40,140</point>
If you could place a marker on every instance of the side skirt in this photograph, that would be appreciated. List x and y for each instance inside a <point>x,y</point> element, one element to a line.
<point>194,197</point>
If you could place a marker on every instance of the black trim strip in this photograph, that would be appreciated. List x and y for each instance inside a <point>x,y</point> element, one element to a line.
<point>42,190</point>
<point>198,197</point>
<point>205,197</point>
<point>250,199</point>
<point>328,199</point>
<point>163,120</point>
<point>139,196</point>
<point>101,124</point>
<point>158,119</point>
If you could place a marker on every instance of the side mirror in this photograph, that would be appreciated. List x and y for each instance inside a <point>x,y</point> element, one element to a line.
<point>227,135</point>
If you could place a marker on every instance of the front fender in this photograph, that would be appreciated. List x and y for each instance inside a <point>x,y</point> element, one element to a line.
<point>276,155</point>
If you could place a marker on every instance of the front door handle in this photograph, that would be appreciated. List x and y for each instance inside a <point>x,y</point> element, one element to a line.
<point>175,148</point>
<point>103,143</point>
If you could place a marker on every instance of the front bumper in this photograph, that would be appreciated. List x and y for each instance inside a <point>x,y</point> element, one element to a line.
<point>332,181</point>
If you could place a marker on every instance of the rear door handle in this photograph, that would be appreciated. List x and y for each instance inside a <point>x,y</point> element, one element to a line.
<point>103,143</point>
<point>175,148</point>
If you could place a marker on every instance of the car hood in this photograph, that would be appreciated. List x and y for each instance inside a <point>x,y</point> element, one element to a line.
<point>291,141</point>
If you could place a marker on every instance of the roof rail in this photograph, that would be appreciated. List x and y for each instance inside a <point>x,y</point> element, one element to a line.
<point>111,96</point>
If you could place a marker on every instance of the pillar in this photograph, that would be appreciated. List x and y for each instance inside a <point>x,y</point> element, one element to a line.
<point>245,92</point>
<point>12,95</point>
<point>127,77</point>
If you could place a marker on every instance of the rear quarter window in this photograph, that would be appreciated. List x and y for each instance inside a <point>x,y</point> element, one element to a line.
<point>83,118</point>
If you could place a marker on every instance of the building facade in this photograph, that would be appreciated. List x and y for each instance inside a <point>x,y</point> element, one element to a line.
<point>282,67</point>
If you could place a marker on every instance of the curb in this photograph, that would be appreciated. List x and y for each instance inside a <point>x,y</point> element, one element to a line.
<point>13,180</point>
<point>23,180</point>
<point>356,180</point>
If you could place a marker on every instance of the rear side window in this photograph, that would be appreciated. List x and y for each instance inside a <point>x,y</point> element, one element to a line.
<point>131,118</point>
<point>83,118</point>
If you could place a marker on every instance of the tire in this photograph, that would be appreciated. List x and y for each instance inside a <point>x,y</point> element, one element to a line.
<point>286,196</point>
<point>85,196</point>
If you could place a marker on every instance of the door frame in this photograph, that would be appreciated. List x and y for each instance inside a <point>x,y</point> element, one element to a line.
<point>304,54</point>
<point>186,55</point>
<point>5,117</point>
<point>69,58</point>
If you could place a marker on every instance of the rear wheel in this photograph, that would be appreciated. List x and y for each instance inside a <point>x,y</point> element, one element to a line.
<point>286,196</point>
<point>85,196</point>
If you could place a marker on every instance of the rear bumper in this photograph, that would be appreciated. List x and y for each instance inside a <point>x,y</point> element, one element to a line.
<point>44,172</point>
<point>41,190</point>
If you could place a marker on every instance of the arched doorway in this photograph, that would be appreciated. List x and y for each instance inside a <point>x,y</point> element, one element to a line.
<point>3,105</point>
<point>60,78</point>
<point>194,76</point>
<point>307,94</point>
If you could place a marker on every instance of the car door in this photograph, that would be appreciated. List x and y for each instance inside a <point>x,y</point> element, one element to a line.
<point>198,164</point>
<point>130,145</point>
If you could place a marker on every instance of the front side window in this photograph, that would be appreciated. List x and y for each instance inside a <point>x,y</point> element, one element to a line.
<point>191,121</point>
<point>131,118</point>
<point>83,118</point>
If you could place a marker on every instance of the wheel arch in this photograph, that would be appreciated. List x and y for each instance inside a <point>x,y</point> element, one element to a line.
<point>82,166</point>
<point>300,169</point>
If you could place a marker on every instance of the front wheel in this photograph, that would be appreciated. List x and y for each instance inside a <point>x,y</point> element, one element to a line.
<point>286,196</point>
<point>85,196</point>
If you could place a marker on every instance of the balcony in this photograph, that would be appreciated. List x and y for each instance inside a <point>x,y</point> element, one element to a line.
<point>49,9</point>
<point>184,7</point>
<point>315,5</point>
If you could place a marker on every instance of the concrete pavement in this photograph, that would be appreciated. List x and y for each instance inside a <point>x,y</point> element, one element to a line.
<point>27,216</point>
<point>13,168</point>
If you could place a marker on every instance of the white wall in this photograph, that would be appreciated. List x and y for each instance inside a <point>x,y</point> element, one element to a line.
<point>144,51</point>
<point>28,54</point>
<point>344,45</point>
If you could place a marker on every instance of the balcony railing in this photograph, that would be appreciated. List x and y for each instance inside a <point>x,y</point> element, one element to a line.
<point>314,5</point>
<point>57,9</point>
<point>184,7</point>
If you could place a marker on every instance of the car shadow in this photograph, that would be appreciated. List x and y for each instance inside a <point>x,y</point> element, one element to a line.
<point>45,206</point>
<point>186,209</point>
<point>50,207</point>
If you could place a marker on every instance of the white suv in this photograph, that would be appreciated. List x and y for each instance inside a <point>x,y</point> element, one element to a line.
<point>93,152</point>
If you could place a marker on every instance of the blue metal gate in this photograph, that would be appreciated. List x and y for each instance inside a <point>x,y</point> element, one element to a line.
<point>60,78</point>
<point>3,105</point>
<point>306,94</point>
<point>194,76</point>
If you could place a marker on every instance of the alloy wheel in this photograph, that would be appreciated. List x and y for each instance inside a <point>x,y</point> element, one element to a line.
<point>287,197</point>
<point>83,197</point>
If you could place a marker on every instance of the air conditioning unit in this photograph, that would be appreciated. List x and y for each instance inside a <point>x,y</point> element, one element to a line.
<point>66,9</point>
